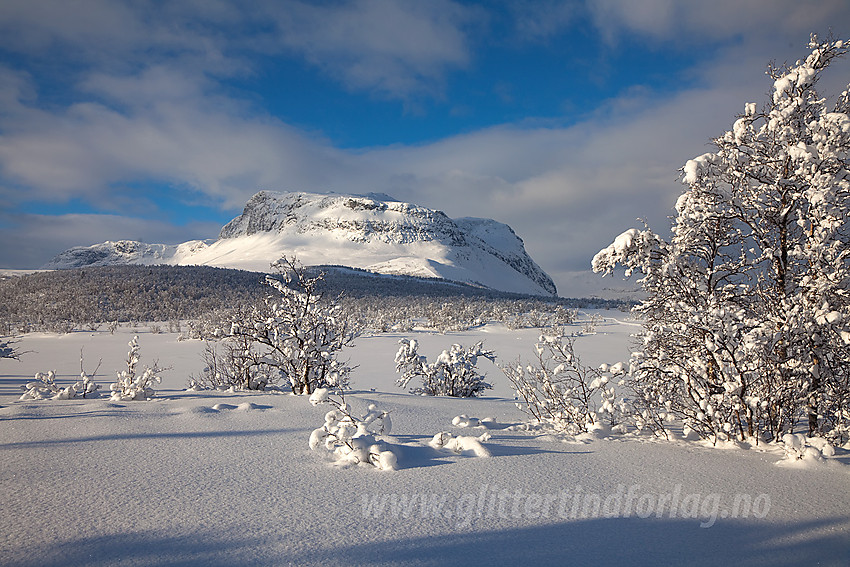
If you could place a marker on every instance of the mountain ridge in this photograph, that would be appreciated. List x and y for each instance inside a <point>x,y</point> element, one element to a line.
<point>373,232</point>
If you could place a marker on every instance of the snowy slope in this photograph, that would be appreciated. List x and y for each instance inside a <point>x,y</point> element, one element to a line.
<point>375,233</point>
<point>112,253</point>
<point>202,478</point>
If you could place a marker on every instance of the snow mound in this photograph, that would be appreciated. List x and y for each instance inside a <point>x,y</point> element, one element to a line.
<point>461,445</point>
<point>804,452</point>
<point>487,422</point>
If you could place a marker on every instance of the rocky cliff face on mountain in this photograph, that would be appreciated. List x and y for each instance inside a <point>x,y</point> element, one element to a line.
<point>373,232</point>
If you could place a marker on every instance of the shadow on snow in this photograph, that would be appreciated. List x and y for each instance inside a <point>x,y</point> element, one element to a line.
<point>629,541</point>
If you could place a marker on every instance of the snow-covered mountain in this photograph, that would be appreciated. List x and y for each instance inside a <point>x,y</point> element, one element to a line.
<point>373,232</point>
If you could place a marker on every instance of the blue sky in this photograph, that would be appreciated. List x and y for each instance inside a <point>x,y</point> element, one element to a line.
<point>567,120</point>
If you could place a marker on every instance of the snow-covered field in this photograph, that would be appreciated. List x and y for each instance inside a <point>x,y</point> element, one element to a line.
<point>212,478</point>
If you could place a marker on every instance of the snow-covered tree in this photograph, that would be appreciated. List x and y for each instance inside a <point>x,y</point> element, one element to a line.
<point>748,308</point>
<point>298,331</point>
<point>131,384</point>
<point>454,373</point>
<point>559,391</point>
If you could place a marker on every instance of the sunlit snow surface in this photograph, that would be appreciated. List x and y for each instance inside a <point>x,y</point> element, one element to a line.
<point>203,478</point>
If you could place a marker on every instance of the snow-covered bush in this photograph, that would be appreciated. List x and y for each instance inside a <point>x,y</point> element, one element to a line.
<point>558,390</point>
<point>44,387</point>
<point>131,385</point>
<point>464,420</point>
<point>352,440</point>
<point>747,311</point>
<point>86,386</point>
<point>298,331</point>
<point>454,373</point>
<point>589,325</point>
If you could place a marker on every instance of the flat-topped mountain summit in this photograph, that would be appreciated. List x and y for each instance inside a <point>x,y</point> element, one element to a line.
<point>373,232</point>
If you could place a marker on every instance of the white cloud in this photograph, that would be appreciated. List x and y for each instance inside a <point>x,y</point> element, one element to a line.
<point>115,34</point>
<point>178,134</point>
<point>38,26</point>
<point>386,47</point>
<point>397,49</point>
<point>542,19</point>
<point>691,23</point>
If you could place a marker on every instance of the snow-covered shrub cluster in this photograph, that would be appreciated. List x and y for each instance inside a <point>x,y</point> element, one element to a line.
<point>352,440</point>
<point>44,387</point>
<point>399,312</point>
<point>558,390</point>
<point>130,384</point>
<point>539,317</point>
<point>748,311</point>
<point>454,373</point>
<point>297,332</point>
<point>589,325</point>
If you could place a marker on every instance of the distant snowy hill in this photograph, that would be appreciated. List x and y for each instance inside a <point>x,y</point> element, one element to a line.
<point>373,232</point>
